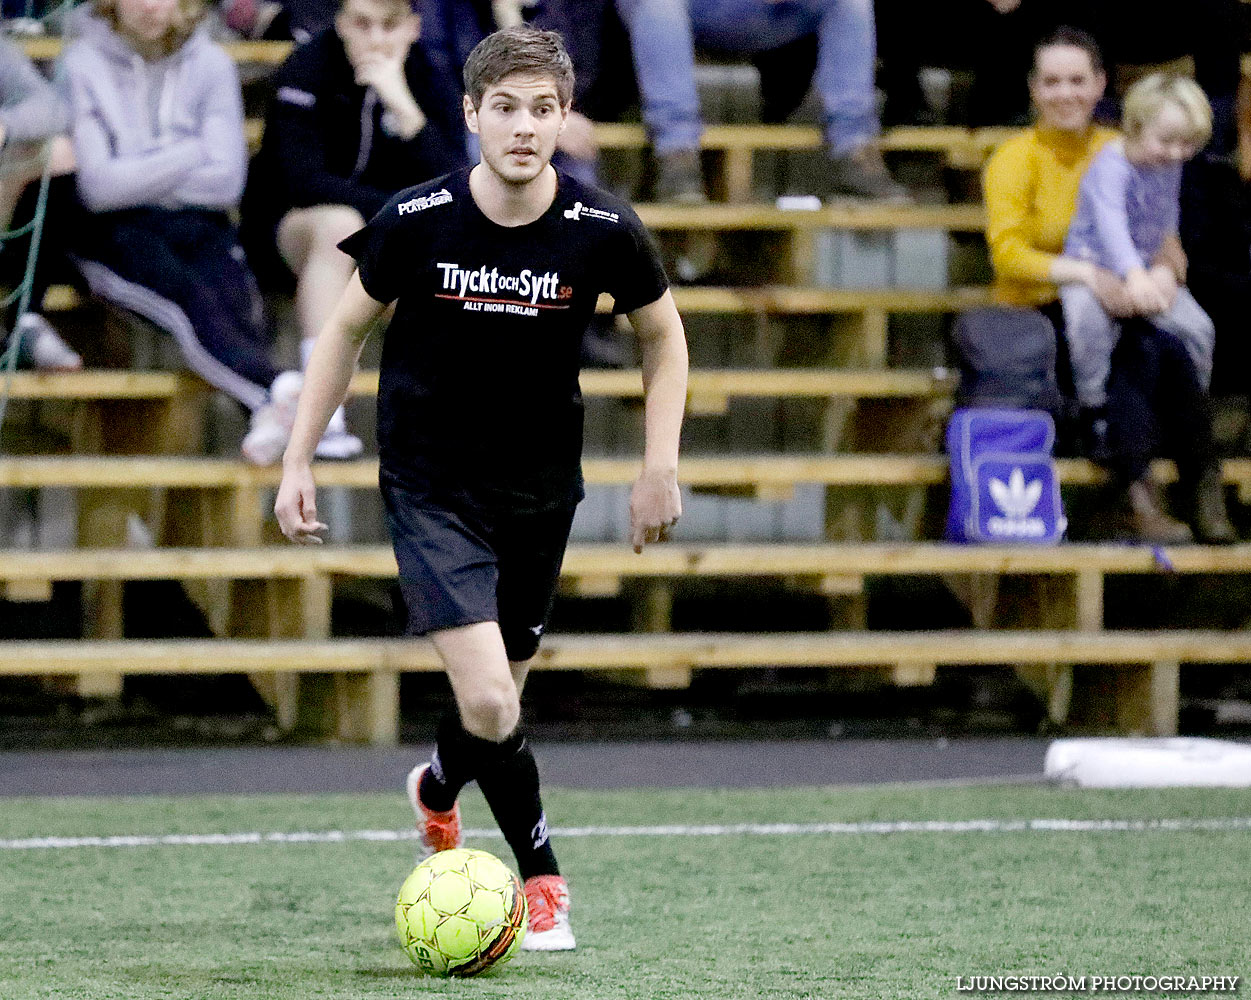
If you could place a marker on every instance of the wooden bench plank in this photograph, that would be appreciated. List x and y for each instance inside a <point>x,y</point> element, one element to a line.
<point>600,560</point>
<point>799,300</point>
<point>780,300</point>
<point>117,472</point>
<point>106,384</point>
<point>950,139</point>
<point>723,217</point>
<point>764,382</point>
<point>606,651</point>
<point>267,53</point>
<point>1145,692</point>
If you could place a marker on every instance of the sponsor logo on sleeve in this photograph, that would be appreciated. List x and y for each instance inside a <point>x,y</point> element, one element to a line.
<point>441,197</point>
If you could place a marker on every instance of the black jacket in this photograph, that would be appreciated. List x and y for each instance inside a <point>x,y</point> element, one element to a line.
<point>1216,234</point>
<point>322,146</point>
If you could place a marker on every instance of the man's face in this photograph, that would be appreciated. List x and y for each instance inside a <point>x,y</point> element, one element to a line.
<point>517,125</point>
<point>376,29</point>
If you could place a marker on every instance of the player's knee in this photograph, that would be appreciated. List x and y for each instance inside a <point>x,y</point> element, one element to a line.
<point>491,712</point>
<point>520,644</point>
<point>336,223</point>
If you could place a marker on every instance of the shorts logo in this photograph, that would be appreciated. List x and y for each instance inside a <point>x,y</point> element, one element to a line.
<point>580,211</point>
<point>426,201</point>
<point>536,629</point>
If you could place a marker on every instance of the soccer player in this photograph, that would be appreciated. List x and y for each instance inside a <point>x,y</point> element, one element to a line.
<point>494,273</point>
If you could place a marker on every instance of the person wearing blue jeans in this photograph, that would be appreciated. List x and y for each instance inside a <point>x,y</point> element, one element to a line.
<point>663,35</point>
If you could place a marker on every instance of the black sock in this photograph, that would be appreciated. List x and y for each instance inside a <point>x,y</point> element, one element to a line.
<point>457,758</point>
<point>511,785</point>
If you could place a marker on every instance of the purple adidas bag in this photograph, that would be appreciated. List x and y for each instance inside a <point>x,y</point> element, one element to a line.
<point>1004,486</point>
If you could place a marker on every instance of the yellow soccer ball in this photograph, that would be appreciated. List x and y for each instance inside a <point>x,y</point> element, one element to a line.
<point>460,913</point>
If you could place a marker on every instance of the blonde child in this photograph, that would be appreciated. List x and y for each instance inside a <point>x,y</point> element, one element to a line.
<point>1126,222</point>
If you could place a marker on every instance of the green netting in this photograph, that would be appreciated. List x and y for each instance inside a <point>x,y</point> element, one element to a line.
<point>21,294</point>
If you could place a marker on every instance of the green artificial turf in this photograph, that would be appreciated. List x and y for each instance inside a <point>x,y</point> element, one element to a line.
<point>736,916</point>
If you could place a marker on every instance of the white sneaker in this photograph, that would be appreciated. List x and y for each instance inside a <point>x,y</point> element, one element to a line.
<point>270,431</point>
<point>338,443</point>
<point>547,897</point>
<point>44,346</point>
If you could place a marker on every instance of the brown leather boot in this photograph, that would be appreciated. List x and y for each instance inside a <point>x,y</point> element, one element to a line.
<point>1148,521</point>
<point>1209,518</point>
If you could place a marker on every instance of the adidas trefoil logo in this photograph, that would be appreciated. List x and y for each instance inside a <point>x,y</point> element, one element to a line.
<point>1016,499</point>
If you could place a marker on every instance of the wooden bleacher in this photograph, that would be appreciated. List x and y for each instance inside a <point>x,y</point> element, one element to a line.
<point>286,591</point>
<point>600,568</point>
<point>733,148</point>
<point>762,472</point>
<point>364,706</point>
<point>269,605</point>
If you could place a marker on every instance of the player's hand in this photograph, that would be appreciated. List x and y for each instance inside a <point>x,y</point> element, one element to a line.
<point>385,73</point>
<point>296,506</point>
<point>655,506</point>
<point>1143,293</point>
<point>1166,283</point>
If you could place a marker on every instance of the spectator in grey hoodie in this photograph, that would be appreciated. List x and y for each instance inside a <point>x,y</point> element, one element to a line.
<point>158,135</point>
<point>33,123</point>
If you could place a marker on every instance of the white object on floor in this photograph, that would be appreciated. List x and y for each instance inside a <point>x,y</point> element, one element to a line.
<point>1149,763</point>
<point>48,352</point>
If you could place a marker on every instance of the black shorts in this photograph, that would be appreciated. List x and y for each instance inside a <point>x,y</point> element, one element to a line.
<point>460,567</point>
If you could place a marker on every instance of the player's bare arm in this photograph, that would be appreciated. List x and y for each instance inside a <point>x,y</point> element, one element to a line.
<point>655,502</point>
<point>326,383</point>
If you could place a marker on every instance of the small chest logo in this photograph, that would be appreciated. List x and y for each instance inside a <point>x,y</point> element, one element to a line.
<point>441,197</point>
<point>581,211</point>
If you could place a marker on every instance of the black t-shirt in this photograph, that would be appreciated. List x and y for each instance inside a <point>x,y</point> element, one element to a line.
<point>478,398</point>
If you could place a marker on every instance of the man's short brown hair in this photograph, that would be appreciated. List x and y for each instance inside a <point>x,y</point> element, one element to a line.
<point>519,50</point>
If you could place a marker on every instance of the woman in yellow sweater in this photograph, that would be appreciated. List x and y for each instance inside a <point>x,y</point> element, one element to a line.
<point>1155,402</point>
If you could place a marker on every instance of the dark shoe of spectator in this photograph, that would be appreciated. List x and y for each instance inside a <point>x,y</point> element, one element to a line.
<point>1209,519</point>
<point>42,347</point>
<point>1093,433</point>
<point>679,178</point>
<point>1148,521</point>
<point>863,174</point>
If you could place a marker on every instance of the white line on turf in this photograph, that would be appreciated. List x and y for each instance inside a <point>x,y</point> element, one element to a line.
<point>711,830</point>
